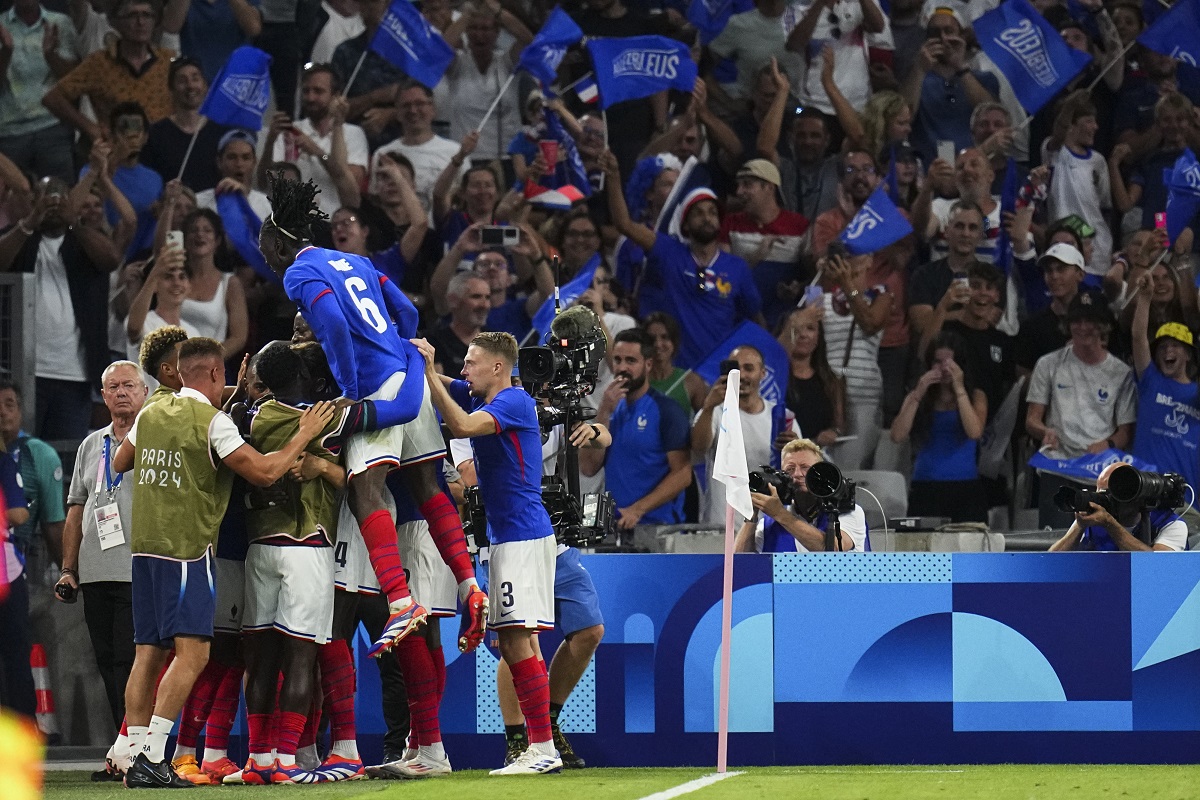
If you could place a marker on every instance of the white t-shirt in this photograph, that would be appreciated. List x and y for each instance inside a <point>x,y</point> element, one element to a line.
<point>756,436</point>
<point>850,71</point>
<point>428,160</point>
<point>58,352</point>
<point>259,203</point>
<point>337,30</point>
<point>1079,185</point>
<point>312,168</point>
<point>751,40</point>
<point>1086,402</point>
<point>472,92</point>
<point>223,435</point>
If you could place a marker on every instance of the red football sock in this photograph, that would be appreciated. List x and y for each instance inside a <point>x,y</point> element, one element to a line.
<point>337,682</point>
<point>199,703</point>
<point>125,727</point>
<point>439,664</point>
<point>420,681</point>
<point>259,732</point>
<point>224,710</point>
<point>533,693</point>
<point>446,529</point>
<point>379,533</point>
<point>291,725</point>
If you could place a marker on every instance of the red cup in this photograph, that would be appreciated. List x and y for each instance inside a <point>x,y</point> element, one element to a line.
<point>549,148</point>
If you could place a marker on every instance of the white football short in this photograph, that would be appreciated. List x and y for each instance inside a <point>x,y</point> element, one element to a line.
<point>352,570</point>
<point>399,445</point>
<point>290,589</point>
<point>521,584</point>
<point>429,579</point>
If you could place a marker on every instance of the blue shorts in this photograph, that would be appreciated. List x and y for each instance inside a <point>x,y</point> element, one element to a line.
<point>173,598</point>
<point>576,603</point>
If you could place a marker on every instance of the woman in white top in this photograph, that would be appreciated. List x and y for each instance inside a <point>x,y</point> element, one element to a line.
<point>166,287</point>
<point>216,305</point>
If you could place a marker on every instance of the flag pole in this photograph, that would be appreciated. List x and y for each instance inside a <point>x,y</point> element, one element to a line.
<point>1161,256</point>
<point>726,644</point>
<point>188,153</point>
<point>496,102</point>
<point>1109,65</point>
<point>575,82</point>
<point>354,73</point>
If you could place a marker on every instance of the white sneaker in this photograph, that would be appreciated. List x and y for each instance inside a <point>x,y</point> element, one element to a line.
<point>532,762</point>
<point>423,766</point>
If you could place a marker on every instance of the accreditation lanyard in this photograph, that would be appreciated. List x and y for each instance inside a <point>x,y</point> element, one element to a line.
<point>108,517</point>
<point>105,474</point>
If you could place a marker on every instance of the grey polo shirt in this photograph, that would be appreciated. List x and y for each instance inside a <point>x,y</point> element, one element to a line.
<point>89,488</point>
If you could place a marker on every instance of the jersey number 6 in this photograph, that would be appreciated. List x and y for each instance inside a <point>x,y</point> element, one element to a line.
<point>366,306</point>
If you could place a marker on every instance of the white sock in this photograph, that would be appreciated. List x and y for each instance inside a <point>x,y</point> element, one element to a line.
<point>396,606</point>
<point>433,751</point>
<point>287,759</point>
<point>120,748</point>
<point>346,748</point>
<point>137,737</point>
<point>464,587</point>
<point>211,754</point>
<point>155,746</point>
<point>263,759</point>
<point>180,751</point>
<point>546,748</point>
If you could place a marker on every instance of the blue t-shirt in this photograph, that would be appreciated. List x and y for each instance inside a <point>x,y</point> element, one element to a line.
<point>142,187</point>
<point>643,433</point>
<point>508,464</point>
<point>1168,425</point>
<point>1096,537</point>
<point>945,113</point>
<point>210,34</point>
<point>708,301</point>
<point>347,302</point>
<point>633,277</point>
<point>777,539</point>
<point>949,454</point>
<point>510,318</point>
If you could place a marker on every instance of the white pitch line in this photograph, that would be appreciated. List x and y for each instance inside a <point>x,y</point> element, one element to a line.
<point>875,771</point>
<point>691,786</point>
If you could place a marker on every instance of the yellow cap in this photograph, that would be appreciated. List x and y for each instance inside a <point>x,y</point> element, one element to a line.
<point>1175,330</point>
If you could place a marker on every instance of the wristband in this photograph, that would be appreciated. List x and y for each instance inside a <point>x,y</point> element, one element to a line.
<point>69,571</point>
<point>595,431</point>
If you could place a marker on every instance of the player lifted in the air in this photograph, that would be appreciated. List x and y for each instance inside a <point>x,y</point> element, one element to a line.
<point>351,308</point>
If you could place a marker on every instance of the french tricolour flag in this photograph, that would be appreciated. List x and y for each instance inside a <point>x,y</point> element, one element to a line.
<point>587,90</point>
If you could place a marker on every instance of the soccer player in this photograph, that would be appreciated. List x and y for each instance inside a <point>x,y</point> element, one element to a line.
<point>179,496</point>
<point>501,421</point>
<point>344,299</point>
<point>159,359</point>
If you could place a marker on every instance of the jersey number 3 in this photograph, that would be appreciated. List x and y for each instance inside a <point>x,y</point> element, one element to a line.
<point>366,306</point>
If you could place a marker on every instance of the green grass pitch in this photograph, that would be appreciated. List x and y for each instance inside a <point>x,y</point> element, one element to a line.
<point>1018,782</point>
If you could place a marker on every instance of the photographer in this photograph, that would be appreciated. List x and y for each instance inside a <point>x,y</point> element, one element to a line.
<point>799,526</point>
<point>1099,529</point>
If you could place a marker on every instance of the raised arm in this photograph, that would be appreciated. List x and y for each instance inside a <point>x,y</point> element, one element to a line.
<point>769,131</point>
<point>639,234</point>
<point>263,470</point>
<point>443,187</point>
<point>849,119</point>
<point>468,242</point>
<point>1141,323</point>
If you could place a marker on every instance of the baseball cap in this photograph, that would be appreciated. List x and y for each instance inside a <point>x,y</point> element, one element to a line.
<point>695,196</point>
<point>1078,225</point>
<point>1174,330</point>
<point>1090,306</point>
<point>762,169</point>
<point>1061,251</point>
<point>237,135</point>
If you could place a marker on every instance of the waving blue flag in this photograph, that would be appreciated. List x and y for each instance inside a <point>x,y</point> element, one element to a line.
<point>876,225</point>
<point>631,67</point>
<point>239,96</point>
<point>541,57</point>
<point>1088,466</point>
<point>1183,194</point>
<point>242,226</point>
<point>1176,33</point>
<point>1030,53</point>
<point>1008,205</point>
<point>711,16</point>
<point>572,164</point>
<point>775,360</point>
<point>567,295</point>
<point>411,44</point>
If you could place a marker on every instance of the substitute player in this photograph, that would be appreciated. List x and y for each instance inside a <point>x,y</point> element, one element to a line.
<point>180,492</point>
<point>501,422</point>
<point>344,298</point>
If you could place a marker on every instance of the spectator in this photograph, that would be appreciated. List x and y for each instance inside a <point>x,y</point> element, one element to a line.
<point>751,39</point>
<point>236,162</point>
<point>1167,433</point>
<point>343,23</point>
<point>836,27</point>
<point>37,47</point>
<point>681,385</point>
<point>973,178</point>
<point>351,234</point>
<point>16,689</point>
<point>92,29</point>
<point>1175,120</point>
<point>908,34</point>
<point>170,138</point>
<point>946,424</point>
<point>645,193</point>
<point>942,88</point>
<point>515,314</point>
<point>992,133</point>
<point>1045,331</point>
<point>940,289</point>
<point>70,264</point>
<point>810,187</point>
<point>395,215</point>
<point>647,468</point>
<point>280,23</point>
<point>883,122</point>
<point>1079,178</point>
<point>210,30</point>
<point>815,394</point>
<point>216,305</point>
<point>96,194</point>
<point>766,236</point>
<point>372,96</point>
<point>1170,299</point>
<point>477,73</point>
<point>760,433</point>
<point>427,152</point>
<point>1099,530</point>
<point>1082,398</point>
<point>477,193</point>
<point>141,186</point>
<point>166,287</point>
<point>468,299</point>
<point>711,291</point>
<point>98,562</point>
<point>129,70</point>
<point>775,528</point>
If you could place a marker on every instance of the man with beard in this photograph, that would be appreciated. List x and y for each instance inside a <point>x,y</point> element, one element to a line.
<point>711,291</point>
<point>329,151</point>
<point>939,290</point>
<point>169,138</point>
<point>972,174</point>
<point>800,528</point>
<point>650,435</point>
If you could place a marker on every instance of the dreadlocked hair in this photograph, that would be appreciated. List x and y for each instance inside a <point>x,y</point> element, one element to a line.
<point>294,207</point>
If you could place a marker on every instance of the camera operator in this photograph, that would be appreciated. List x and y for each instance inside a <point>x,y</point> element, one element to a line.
<point>1099,529</point>
<point>801,527</point>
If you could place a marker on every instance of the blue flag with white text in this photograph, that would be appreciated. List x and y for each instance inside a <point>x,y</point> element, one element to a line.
<point>632,67</point>
<point>776,363</point>
<point>876,225</point>
<point>411,44</point>
<point>1183,194</point>
<point>567,295</point>
<point>576,173</point>
<point>241,227</point>
<point>1029,51</point>
<point>239,96</point>
<point>1088,466</point>
<point>1008,205</point>
<point>541,57</point>
<point>1176,33</point>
